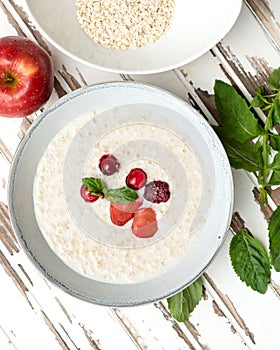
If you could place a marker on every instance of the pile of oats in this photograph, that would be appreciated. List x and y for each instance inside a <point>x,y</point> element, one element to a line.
<point>125,24</point>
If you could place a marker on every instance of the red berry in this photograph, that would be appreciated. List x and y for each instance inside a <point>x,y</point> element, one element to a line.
<point>87,196</point>
<point>136,179</point>
<point>144,223</point>
<point>157,191</point>
<point>109,164</point>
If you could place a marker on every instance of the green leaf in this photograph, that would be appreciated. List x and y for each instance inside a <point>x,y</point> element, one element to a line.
<point>122,195</point>
<point>273,81</point>
<point>275,165</point>
<point>95,186</point>
<point>259,100</point>
<point>250,261</point>
<point>183,303</point>
<point>275,118</point>
<point>274,179</point>
<point>245,156</point>
<point>238,121</point>
<point>274,238</point>
<point>275,141</point>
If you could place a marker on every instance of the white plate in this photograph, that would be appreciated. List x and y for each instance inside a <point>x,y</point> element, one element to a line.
<point>197,26</point>
<point>217,180</point>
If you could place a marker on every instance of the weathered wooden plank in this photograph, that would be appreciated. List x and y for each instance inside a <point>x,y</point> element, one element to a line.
<point>13,307</point>
<point>5,342</point>
<point>267,13</point>
<point>213,324</point>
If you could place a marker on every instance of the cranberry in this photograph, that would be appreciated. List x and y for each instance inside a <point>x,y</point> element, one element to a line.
<point>87,196</point>
<point>109,164</point>
<point>136,179</point>
<point>157,191</point>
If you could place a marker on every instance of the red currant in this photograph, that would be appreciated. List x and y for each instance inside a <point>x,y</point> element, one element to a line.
<point>109,164</point>
<point>136,179</point>
<point>87,196</point>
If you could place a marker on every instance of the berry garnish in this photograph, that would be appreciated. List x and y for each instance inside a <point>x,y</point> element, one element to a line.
<point>87,196</point>
<point>157,191</point>
<point>120,214</point>
<point>144,223</point>
<point>109,164</point>
<point>136,179</point>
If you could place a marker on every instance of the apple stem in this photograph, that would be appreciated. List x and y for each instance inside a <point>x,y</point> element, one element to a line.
<point>8,78</point>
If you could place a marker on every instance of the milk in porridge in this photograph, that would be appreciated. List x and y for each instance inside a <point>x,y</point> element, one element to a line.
<point>81,234</point>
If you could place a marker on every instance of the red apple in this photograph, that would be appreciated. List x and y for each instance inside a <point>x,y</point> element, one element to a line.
<point>26,76</point>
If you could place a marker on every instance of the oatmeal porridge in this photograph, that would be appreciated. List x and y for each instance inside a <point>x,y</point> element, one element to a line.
<point>82,234</point>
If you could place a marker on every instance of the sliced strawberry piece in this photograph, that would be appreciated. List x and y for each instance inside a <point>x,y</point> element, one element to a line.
<point>144,223</point>
<point>120,214</point>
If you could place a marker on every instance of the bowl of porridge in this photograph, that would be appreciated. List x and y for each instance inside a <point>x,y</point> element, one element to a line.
<point>135,37</point>
<point>121,194</point>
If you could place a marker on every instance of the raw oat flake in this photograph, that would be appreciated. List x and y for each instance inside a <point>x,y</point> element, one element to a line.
<point>125,24</point>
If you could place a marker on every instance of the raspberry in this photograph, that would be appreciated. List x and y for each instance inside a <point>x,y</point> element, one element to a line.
<point>157,191</point>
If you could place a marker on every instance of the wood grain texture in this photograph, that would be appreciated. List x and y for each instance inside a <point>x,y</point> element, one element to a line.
<point>230,315</point>
<point>263,11</point>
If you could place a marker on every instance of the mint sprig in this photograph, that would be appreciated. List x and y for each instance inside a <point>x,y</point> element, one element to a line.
<point>249,144</point>
<point>255,147</point>
<point>123,195</point>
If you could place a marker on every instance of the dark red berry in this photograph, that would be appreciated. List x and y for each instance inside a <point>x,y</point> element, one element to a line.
<point>136,179</point>
<point>157,191</point>
<point>109,164</point>
<point>87,196</point>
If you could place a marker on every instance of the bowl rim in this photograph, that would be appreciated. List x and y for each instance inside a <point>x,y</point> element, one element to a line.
<point>20,235</point>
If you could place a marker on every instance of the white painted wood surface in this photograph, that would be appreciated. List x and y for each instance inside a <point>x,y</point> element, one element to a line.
<point>37,315</point>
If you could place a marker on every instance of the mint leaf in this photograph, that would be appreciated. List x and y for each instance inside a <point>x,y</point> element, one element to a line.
<point>275,165</point>
<point>122,195</point>
<point>273,81</point>
<point>237,120</point>
<point>274,179</point>
<point>95,186</point>
<point>274,238</point>
<point>241,155</point>
<point>275,141</point>
<point>250,261</point>
<point>183,303</point>
<point>275,118</point>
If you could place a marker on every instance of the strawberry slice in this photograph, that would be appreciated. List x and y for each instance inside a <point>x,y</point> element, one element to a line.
<point>120,214</point>
<point>144,223</point>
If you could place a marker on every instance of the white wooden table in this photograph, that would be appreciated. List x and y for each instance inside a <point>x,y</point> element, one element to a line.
<point>35,314</point>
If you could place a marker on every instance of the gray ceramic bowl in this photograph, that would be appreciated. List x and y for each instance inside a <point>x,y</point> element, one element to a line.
<point>215,210</point>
